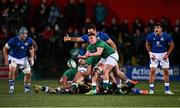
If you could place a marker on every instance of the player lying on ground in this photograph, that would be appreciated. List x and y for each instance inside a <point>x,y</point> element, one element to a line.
<point>65,82</point>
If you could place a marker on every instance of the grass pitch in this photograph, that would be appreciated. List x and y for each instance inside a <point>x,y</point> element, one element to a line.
<point>19,99</point>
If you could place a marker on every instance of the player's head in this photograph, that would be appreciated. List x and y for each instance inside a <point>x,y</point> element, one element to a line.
<point>92,38</point>
<point>158,28</point>
<point>23,33</point>
<point>92,29</point>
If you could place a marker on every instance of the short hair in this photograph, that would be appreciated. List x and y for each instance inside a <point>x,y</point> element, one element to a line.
<point>158,24</point>
<point>91,34</point>
<point>91,26</point>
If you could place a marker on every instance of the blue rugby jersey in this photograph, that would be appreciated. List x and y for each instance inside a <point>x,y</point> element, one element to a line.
<point>159,44</point>
<point>18,48</point>
<point>100,35</point>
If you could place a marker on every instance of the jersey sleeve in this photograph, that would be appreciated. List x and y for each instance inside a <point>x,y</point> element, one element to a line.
<point>30,42</point>
<point>169,39</point>
<point>148,39</point>
<point>85,38</point>
<point>10,43</point>
<point>88,48</point>
<point>66,73</point>
<point>104,36</point>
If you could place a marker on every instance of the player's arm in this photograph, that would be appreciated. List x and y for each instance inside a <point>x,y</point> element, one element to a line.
<point>148,48</point>
<point>72,39</point>
<point>170,49</point>
<point>97,53</point>
<point>111,43</point>
<point>5,53</point>
<point>35,45</point>
<point>31,59</point>
<point>31,50</point>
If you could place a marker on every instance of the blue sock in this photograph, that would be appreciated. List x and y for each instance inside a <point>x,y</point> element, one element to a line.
<point>167,88</point>
<point>11,84</point>
<point>151,85</point>
<point>27,87</point>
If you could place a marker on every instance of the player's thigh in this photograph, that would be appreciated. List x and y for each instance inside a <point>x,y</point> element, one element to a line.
<point>153,63</point>
<point>164,64</point>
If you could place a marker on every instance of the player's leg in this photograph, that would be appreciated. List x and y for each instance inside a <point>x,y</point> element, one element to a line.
<point>151,80</point>
<point>153,66</point>
<point>94,83</point>
<point>111,62</point>
<point>45,89</point>
<point>165,66</point>
<point>12,71</point>
<point>26,69</point>
<point>122,76</point>
<point>27,79</point>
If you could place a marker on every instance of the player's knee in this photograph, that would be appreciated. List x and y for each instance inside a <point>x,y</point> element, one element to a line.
<point>12,66</point>
<point>28,75</point>
<point>27,70</point>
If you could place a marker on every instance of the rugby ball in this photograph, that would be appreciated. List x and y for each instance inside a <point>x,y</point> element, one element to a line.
<point>71,63</point>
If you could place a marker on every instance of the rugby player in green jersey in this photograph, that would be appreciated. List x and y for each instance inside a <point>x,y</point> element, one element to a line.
<point>100,48</point>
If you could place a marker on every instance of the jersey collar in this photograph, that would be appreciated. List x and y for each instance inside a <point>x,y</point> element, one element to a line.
<point>156,34</point>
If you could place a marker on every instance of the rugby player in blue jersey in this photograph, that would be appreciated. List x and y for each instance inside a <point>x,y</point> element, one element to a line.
<point>92,29</point>
<point>16,54</point>
<point>159,45</point>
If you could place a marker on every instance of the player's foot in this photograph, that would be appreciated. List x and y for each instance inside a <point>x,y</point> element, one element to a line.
<point>27,91</point>
<point>92,92</point>
<point>11,91</point>
<point>36,88</point>
<point>169,92</point>
<point>151,92</point>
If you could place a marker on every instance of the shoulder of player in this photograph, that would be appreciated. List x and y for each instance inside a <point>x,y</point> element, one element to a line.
<point>29,39</point>
<point>13,39</point>
<point>166,34</point>
<point>100,33</point>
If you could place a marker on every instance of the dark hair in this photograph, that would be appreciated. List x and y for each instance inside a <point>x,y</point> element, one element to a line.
<point>158,24</point>
<point>91,34</point>
<point>91,26</point>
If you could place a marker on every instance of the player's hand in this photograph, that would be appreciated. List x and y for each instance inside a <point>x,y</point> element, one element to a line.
<point>88,54</point>
<point>31,61</point>
<point>67,38</point>
<point>152,56</point>
<point>82,57</point>
<point>81,61</point>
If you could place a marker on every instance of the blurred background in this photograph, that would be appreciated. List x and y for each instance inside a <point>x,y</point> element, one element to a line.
<point>127,22</point>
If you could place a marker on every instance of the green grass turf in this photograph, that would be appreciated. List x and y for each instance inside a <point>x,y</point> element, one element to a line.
<point>67,100</point>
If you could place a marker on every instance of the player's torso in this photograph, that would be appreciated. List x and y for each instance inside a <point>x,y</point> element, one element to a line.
<point>107,50</point>
<point>159,43</point>
<point>93,60</point>
<point>19,49</point>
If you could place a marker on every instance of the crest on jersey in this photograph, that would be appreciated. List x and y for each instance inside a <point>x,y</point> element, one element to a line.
<point>162,39</point>
<point>157,43</point>
<point>98,37</point>
<point>26,44</point>
<point>22,47</point>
